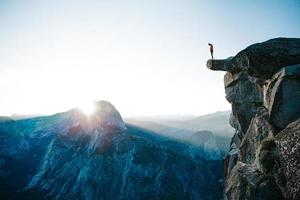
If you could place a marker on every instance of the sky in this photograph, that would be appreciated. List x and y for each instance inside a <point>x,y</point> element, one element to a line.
<point>145,57</point>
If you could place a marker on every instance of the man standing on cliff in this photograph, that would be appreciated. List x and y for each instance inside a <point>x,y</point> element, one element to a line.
<point>211,49</point>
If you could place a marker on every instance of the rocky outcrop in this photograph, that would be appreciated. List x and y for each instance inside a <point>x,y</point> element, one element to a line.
<point>108,116</point>
<point>262,59</point>
<point>262,83</point>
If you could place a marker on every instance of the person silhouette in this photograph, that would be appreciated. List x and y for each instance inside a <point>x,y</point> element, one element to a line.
<point>211,49</point>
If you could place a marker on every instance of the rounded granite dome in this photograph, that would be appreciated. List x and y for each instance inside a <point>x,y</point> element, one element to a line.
<point>108,116</point>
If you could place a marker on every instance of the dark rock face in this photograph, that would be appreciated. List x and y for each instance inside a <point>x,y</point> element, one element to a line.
<point>288,142</point>
<point>262,84</point>
<point>248,183</point>
<point>283,96</point>
<point>258,130</point>
<point>72,156</point>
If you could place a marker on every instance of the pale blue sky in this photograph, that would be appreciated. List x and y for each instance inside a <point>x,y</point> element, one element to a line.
<point>146,57</point>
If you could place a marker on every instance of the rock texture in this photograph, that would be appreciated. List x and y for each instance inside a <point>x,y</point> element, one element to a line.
<point>282,96</point>
<point>288,142</point>
<point>262,83</point>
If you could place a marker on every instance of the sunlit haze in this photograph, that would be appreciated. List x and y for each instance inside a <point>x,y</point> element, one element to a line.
<point>145,57</point>
<point>87,107</point>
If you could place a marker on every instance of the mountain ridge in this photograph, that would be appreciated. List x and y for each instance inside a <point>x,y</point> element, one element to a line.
<point>71,155</point>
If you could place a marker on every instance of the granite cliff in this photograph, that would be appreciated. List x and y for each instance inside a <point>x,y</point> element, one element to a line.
<point>262,83</point>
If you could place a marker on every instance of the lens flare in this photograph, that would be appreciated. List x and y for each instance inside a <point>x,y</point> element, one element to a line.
<point>87,108</point>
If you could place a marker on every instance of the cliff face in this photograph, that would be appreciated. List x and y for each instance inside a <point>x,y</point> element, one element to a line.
<point>262,83</point>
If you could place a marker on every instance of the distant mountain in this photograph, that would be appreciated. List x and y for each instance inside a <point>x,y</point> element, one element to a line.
<point>178,117</point>
<point>73,156</point>
<point>207,140</point>
<point>217,122</point>
<point>160,128</point>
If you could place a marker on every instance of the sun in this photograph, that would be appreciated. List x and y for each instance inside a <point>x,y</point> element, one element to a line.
<point>87,108</point>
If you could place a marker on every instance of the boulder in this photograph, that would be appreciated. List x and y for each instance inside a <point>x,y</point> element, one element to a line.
<point>245,95</point>
<point>282,96</point>
<point>267,159</point>
<point>247,183</point>
<point>288,141</point>
<point>244,112</point>
<point>266,58</point>
<point>259,129</point>
<point>241,87</point>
